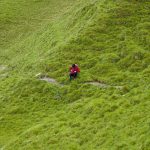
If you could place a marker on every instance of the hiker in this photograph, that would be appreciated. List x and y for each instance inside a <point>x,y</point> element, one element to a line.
<point>74,70</point>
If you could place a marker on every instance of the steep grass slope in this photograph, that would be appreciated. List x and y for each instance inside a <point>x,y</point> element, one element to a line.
<point>110,40</point>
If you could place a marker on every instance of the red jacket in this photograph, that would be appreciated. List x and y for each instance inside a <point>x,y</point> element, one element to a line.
<point>74,70</point>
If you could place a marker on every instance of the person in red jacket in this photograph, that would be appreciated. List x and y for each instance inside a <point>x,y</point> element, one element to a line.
<point>74,70</point>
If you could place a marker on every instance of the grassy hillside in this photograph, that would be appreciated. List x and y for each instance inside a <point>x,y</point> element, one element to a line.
<point>20,18</point>
<point>110,40</point>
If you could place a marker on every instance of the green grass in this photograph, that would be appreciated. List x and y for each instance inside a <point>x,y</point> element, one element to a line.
<point>110,40</point>
<point>19,18</point>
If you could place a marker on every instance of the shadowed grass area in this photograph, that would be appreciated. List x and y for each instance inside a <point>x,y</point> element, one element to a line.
<point>110,41</point>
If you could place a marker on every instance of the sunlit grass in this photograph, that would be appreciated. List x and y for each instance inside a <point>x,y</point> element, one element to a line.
<point>109,41</point>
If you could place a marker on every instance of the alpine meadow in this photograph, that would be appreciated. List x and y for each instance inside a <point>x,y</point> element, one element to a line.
<point>107,107</point>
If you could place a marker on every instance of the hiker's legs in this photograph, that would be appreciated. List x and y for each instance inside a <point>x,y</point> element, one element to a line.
<point>71,76</point>
<point>75,75</point>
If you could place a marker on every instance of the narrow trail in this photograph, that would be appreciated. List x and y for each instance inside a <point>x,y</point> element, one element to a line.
<point>48,79</point>
<point>51,80</point>
<point>2,67</point>
<point>103,85</point>
<point>94,83</point>
<point>3,73</point>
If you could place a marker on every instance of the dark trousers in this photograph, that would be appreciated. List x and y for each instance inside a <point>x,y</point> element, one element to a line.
<point>73,75</point>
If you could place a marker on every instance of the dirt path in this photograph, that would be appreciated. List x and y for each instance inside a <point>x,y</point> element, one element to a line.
<point>3,73</point>
<point>50,80</point>
<point>2,67</point>
<point>94,83</point>
<point>103,85</point>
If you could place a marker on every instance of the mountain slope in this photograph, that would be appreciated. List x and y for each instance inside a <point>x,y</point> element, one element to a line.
<point>110,41</point>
